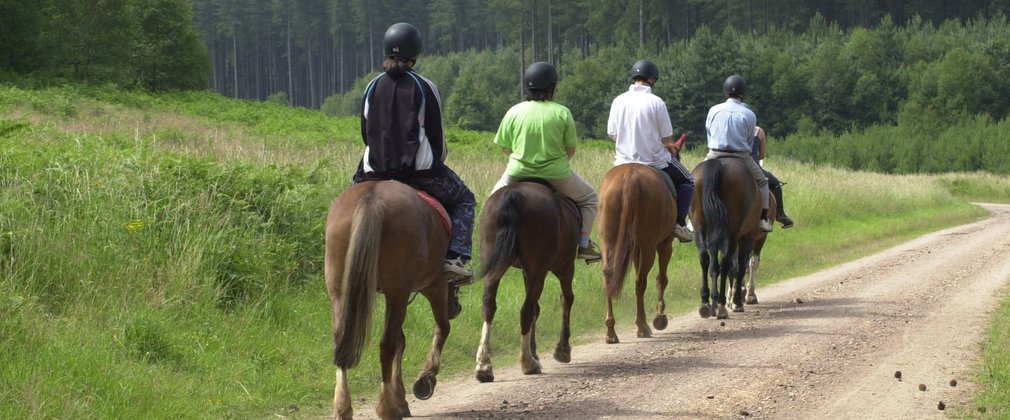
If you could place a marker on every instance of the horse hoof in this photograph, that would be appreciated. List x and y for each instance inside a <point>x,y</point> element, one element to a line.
<point>485,376</point>
<point>534,369</point>
<point>752,300</point>
<point>424,388</point>
<point>705,311</point>
<point>722,313</point>
<point>737,308</point>
<point>660,322</point>
<point>612,339</point>
<point>562,356</point>
<point>646,333</point>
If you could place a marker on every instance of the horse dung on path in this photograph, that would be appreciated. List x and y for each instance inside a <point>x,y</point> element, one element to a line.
<point>381,236</point>
<point>526,225</point>
<point>637,215</point>
<point>725,211</point>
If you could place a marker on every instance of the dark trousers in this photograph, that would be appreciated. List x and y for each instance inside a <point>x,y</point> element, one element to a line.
<point>684,183</point>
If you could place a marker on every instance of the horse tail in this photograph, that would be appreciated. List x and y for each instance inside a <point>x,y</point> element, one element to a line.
<point>716,229</point>
<point>505,241</point>
<point>360,282</point>
<point>626,244</point>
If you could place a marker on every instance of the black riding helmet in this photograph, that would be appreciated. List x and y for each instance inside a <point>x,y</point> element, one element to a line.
<point>734,86</point>
<point>540,76</point>
<point>645,70</point>
<point>402,40</point>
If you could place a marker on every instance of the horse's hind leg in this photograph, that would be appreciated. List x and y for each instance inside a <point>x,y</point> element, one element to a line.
<point>563,351</point>
<point>609,322</point>
<point>665,251</point>
<point>646,259</point>
<point>484,371</point>
<point>743,257</point>
<point>755,263</point>
<point>725,269</point>
<point>527,321</point>
<point>342,397</point>
<point>706,260</point>
<point>392,397</point>
<point>424,386</point>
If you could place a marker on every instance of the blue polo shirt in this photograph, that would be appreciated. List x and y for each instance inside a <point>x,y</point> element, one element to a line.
<point>730,126</point>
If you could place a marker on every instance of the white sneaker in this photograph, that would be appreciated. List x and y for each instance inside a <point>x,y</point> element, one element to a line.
<point>682,233</point>
<point>456,272</point>
<point>764,226</point>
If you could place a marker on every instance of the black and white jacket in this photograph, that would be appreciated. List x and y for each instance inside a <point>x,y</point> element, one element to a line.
<point>401,125</point>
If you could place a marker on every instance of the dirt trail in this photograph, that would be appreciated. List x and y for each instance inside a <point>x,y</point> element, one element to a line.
<point>825,345</point>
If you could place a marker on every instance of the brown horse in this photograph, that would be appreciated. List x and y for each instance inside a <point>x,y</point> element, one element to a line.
<point>526,225</point>
<point>382,237</point>
<point>636,218</point>
<point>725,211</point>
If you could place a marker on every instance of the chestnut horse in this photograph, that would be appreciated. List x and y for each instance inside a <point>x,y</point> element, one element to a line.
<point>526,225</point>
<point>382,237</point>
<point>636,218</point>
<point>725,211</point>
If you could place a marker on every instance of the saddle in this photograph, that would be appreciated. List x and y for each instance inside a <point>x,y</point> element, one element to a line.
<point>668,180</point>
<point>438,209</point>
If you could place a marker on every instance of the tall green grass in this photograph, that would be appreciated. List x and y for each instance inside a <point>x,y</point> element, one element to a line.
<point>160,255</point>
<point>993,374</point>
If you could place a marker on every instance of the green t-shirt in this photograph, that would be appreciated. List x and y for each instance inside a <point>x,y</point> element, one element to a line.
<point>539,134</point>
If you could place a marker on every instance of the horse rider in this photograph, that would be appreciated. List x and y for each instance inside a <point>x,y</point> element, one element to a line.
<point>729,127</point>
<point>758,151</point>
<point>401,125</point>
<point>538,136</point>
<point>639,124</point>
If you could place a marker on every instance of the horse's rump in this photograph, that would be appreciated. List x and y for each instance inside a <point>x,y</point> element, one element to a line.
<point>725,205</point>
<point>380,236</point>
<point>636,212</point>
<point>527,223</point>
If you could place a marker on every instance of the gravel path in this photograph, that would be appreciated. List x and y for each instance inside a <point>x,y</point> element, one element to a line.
<point>827,345</point>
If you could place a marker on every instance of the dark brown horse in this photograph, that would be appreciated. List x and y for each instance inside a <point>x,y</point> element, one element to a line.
<point>636,218</point>
<point>382,237</point>
<point>725,211</point>
<point>526,225</point>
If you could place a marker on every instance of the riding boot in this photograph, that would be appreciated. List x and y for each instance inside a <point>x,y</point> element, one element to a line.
<point>763,224</point>
<point>780,215</point>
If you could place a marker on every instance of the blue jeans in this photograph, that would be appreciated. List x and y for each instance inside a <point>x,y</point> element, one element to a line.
<point>460,203</point>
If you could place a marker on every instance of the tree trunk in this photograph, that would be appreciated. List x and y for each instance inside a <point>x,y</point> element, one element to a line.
<point>641,22</point>
<point>550,35</point>
<point>522,55</point>
<point>312,81</point>
<point>291,81</point>
<point>234,64</point>
<point>258,71</point>
<point>533,32</point>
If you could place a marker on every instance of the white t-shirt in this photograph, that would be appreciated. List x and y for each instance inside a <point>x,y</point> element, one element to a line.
<point>638,123</point>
